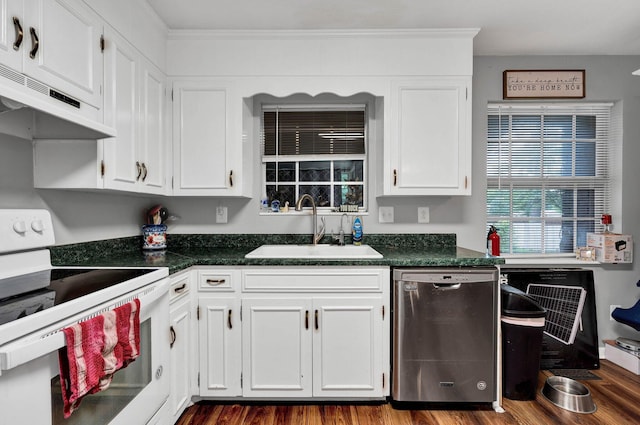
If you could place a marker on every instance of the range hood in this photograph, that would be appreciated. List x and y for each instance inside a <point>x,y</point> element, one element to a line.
<point>32,110</point>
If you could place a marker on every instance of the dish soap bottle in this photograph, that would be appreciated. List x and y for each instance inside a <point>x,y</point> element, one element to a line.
<point>357,231</point>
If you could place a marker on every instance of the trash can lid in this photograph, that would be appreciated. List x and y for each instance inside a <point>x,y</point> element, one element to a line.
<point>516,303</point>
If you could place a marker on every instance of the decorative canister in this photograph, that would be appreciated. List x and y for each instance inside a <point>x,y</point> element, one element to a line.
<point>154,236</point>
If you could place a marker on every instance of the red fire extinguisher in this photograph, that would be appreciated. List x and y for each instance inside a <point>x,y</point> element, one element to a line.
<point>493,242</point>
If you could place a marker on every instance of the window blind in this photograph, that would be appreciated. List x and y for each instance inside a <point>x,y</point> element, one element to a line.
<point>313,131</point>
<point>547,174</point>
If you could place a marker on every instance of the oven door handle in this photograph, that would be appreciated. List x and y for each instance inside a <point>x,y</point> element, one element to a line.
<point>20,352</point>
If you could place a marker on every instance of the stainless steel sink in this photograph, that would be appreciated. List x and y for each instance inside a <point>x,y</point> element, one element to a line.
<point>315,251</point>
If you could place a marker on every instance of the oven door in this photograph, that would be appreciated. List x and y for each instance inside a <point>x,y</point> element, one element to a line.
<point>30,391</point>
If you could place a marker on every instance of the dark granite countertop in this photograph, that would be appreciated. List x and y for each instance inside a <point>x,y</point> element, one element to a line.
<point>229,250</point>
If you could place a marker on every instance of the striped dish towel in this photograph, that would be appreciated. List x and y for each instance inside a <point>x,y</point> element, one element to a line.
<point>95,349</point>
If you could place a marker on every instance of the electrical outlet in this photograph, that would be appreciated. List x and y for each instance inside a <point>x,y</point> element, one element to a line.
<point>611,308</point>
<point>423,214</point>
<point>221,214</point>
<point>385,214</point>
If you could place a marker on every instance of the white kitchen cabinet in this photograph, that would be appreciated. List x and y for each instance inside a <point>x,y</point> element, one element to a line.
<point>11,24</point>
<point>219,334</point>
<point>277,351</point>
<point>134,106</point>
<point>60,48</point>
<point>429,149</point>
<point>315,332</point>
<point>134,160</point>
<point>181,344</point>
<point>207,139</point>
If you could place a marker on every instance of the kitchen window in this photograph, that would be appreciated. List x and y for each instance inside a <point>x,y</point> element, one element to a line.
<point>548,176</point>
<point>315,149</point>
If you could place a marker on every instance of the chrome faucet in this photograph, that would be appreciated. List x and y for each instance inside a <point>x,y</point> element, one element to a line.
<point>317,235</point>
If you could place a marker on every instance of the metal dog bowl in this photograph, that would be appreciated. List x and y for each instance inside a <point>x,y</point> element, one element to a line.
<point>569,394</point>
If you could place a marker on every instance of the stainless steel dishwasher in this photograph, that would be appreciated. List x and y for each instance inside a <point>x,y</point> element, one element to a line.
<point>445,335</point>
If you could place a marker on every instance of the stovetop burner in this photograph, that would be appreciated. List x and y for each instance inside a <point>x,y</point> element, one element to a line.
<point>27,294</point>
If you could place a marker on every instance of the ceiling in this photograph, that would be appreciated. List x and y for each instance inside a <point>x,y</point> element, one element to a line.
<point>507,27</point>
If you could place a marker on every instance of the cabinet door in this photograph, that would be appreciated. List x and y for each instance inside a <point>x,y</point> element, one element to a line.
<point>277,347</point>
<point>122,167</point>
<point>220,346</point>
<point>10,46</point>
<point>204,150</point>
<point>347,347</point>
<point>430,146</point>
<point>180,319</point>
<point>68,56</point>
<point>151,148</point>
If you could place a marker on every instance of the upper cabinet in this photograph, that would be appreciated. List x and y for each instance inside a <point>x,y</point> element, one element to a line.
<point>135,105</point>
<point>134,160</point>
<point>429,148</point>
<point>57,43</point>
<point>207,139</point>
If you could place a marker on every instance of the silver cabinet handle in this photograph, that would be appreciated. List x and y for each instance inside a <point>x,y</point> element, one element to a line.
<point>180,288</point>
<point>139,168</point>
<point>19,33</point>
<point>144,171</point>
<point>215,282</point>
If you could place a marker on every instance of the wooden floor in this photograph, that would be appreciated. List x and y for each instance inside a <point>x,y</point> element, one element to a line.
<point>617,398</point>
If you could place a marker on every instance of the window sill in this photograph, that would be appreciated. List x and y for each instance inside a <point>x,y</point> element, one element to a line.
<point>546,260</point>
<point>293,212</point>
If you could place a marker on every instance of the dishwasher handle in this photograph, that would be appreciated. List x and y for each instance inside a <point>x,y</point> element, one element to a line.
<point>446,286</point>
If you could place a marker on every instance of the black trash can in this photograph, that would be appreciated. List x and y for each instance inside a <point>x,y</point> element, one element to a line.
<point>522,322</point>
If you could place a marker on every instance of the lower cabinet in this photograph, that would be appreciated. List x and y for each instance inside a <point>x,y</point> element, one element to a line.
<point>220,349</point>
<point>219,333</point>
<point>180,332</point>
<point>319,332</point>
<point>313,347</point>
<point>291,332</point>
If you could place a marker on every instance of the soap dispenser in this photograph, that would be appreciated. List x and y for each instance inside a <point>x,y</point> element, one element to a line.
<point>357,232</point>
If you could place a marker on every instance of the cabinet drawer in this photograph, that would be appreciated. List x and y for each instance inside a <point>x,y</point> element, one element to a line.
<point>315,279</point>
<point>220,281</point>
<point>180,286</point>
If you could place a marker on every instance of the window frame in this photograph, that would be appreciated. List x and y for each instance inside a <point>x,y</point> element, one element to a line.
<point>496,180</point>
<point>332,158</point>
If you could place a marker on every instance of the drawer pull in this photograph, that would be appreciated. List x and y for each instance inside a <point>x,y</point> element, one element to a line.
<point>216,282</point>
<point>180,288</point>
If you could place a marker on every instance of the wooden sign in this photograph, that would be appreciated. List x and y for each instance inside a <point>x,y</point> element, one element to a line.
<point>536,84</point>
